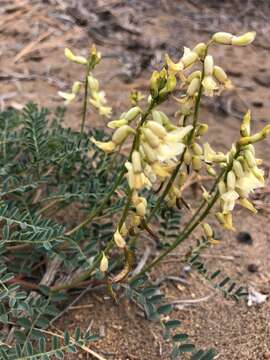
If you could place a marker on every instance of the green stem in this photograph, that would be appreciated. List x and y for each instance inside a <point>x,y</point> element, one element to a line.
<point>85,99</point>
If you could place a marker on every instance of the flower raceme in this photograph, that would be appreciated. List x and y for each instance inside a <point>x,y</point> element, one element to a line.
<point>166,151</point>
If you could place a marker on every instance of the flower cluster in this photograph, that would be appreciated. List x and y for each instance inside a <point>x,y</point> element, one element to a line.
<point>96,96</point>
<point>166,152</point>
<point>243,175</point>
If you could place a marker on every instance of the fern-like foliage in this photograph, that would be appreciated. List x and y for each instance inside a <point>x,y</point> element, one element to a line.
<point>152,301</point>
<point>223,283</point>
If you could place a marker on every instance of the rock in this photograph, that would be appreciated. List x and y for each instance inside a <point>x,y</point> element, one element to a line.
<point>244,238</point>
<point>266,355</point>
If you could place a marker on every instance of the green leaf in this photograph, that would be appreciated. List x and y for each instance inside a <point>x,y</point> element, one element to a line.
<point>24,322</point>
<point>172,324</point>
<point>180,337</point>
<point>209,355</point>
<point>164,309</point>
<point>186,348</point>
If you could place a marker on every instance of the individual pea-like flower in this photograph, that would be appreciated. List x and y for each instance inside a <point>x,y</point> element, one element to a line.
<point>104,263</point>
<point>211,155</point>
<point>209,83</point>
<point>136,178</point>
<point>72,95</point>
<point>74,58</point>
<point>119,136</point>
<point>119,240</point>
<point>167,145</point>
<point>220,75</point>
<point>98,97</point>
<point>247,184</point>
<point>225,38</point>
<point>189,58</point>
<point>228,200</point>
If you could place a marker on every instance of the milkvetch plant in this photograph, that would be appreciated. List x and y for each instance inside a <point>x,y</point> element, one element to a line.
<point>119,193</point>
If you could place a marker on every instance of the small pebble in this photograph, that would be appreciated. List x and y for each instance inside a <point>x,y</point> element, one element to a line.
<point>258,104</point>
<point>266,355</point>
<point>253,268</point>
<point>244,238</point>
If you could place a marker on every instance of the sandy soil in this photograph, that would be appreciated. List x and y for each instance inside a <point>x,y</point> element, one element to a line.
<point>33,35</point>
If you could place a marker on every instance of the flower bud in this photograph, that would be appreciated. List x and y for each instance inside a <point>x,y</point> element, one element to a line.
<point>200,49</point>
<point>248,205</point>
<point>237,168</point>
<point>250,158</point>
<point>67,96</point>
<point>121,134</point>
<point>106,146</point>
<point>171,83</point>
<point>189,59</point>
<point>181,178</point>
<point>245,39</point>
<point>187,157</point>
<point>157,129</point>
<point>222,187</point>
<point>136,162</point>
<point>197,149</point>
<point>76,87</point>
<point>231,180</point>
<point>157,116</point>
<point>135,220</point>
<point>95,55</point>
<point>141,209</point>
<point>210,170</point>
<point>208,65</point>
<point>228,224</point>
<point>193,87</point>
<point>220,74</point>
<point>258,173</point>
<point>194,75</point>
<point>251,148</point>
<point>124,230</point>
<point>104,263</point>
<point>93,83</point>
<point>69,54</point>
<point>119,240</point>
<point>196,163</point>
<point>132,113</point>
<point>77,59</point>
<point>201,129</point>
<point>222,38</point>
<point>209,85</point>
<point>115,124</point>
<point>151,138</point>
<point>154,86</point>
<point>149,152</point>
<point>208,230</point>
<point>220,218</point>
